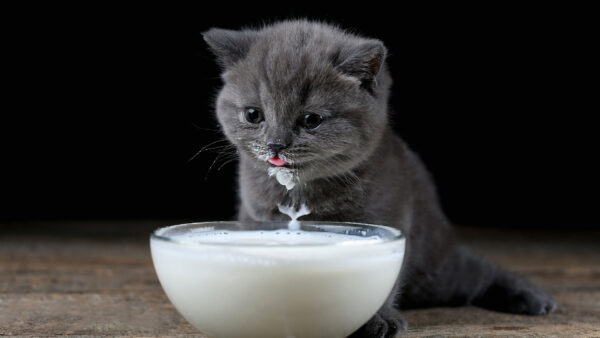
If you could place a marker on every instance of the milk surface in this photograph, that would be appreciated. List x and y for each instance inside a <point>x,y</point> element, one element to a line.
<point>277,283</point>
<point>279,237</point>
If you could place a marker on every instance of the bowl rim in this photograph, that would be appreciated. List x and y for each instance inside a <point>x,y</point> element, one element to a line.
<point>398,234</point>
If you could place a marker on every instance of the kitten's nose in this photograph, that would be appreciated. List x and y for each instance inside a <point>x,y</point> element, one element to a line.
<point>276,147</point>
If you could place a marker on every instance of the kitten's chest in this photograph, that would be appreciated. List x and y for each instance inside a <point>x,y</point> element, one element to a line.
<point>326,201</point>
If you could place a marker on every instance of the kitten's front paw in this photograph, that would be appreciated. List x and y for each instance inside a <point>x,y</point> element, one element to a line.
<point>515,295</point>
<point>384,324</point>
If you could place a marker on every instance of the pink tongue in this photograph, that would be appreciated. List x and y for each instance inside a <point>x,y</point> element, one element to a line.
<point>275,160</point>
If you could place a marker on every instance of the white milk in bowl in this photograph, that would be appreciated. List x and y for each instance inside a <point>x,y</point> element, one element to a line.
<point>233,279</point>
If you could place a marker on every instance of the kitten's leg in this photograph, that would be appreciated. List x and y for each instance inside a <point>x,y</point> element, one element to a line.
<point>385,323</point>
<point>243,215</point>
<point>464,278</point>
<point>513,294</point>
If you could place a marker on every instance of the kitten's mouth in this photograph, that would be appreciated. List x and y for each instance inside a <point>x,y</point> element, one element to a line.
<point>277,161</point>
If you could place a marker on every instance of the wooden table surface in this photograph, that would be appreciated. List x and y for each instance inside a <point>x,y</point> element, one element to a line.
<point>105,285</point>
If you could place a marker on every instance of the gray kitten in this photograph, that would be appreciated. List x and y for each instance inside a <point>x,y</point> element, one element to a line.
<point>316,98</point>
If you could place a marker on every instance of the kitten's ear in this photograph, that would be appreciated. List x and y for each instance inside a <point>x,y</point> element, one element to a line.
<point>229,46</point>
<point>362,61</point>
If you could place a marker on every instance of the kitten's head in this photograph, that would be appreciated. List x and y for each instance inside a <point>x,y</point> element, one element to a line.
<point>307,92</point>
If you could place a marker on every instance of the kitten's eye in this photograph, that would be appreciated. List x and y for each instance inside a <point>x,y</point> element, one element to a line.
<point>311,121</point>
<point>253,115</point>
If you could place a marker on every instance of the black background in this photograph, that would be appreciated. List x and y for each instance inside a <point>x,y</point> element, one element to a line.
<point>105,107</point>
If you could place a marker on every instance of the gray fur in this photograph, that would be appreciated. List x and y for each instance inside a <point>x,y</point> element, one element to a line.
<point>352,167</point>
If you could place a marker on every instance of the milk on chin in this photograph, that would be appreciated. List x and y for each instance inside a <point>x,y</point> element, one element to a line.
<point>292,284</point>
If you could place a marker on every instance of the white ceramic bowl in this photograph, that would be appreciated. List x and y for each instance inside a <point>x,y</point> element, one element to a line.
<point>233,279</point>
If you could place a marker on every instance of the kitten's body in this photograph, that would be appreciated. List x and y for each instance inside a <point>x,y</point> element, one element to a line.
<point>353,167</point>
